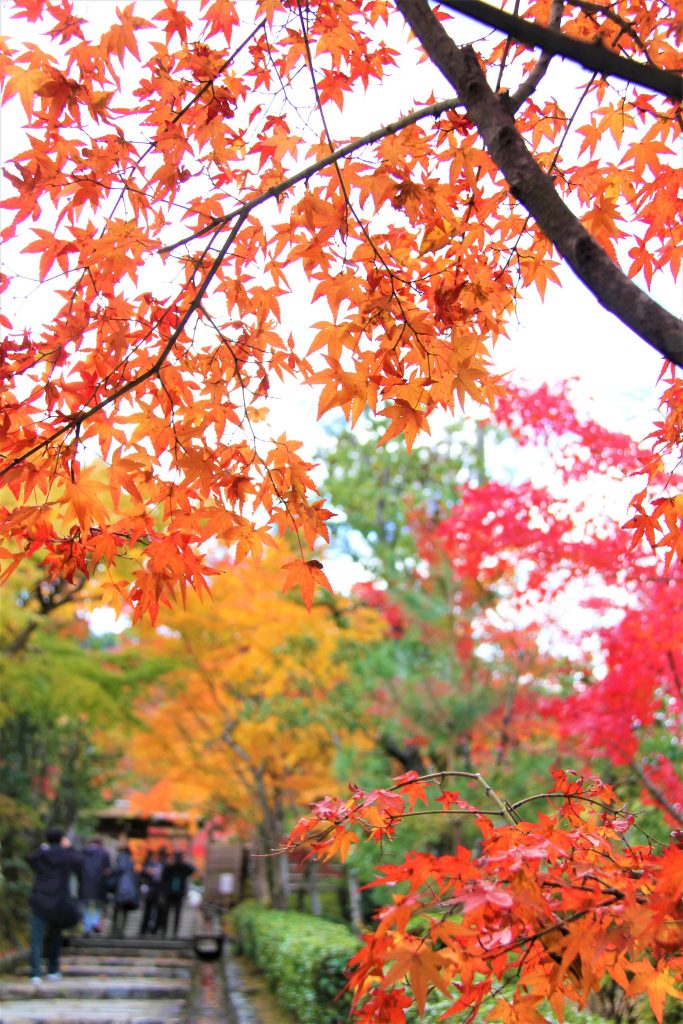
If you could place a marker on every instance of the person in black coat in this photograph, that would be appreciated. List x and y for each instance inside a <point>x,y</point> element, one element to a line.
<point>172,890</point>
<point>150,887</point>
<point>52,906</point>
<point>96,869</point>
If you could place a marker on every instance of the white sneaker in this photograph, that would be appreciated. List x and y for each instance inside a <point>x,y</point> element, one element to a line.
<point>54,977</point>
<point>36,980</point>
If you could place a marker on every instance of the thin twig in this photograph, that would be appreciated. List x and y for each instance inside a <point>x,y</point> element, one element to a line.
<point>432,110</point>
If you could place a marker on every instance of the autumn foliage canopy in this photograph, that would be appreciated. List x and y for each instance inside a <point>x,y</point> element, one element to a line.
<point>208,203</point>
<point>182,171</point>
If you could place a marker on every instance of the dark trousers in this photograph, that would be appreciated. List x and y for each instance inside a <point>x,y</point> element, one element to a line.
<point>44,934</point>
<point>173,906</point>
<point>150,916</point>
<point>118,924</point>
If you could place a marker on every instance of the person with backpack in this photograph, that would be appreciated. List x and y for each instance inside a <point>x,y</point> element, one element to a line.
<point>96,868</point>
<point>172,890</point>
<point>52,905</point>
<point>126,896</point>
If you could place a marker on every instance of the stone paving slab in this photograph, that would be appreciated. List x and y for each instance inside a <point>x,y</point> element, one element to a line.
<point>92,1011</point>
<point>106,980</point>
<point>119,987</point>
<point>241,1009</point>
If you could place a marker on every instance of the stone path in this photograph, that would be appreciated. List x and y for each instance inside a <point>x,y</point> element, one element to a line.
<point>132,980</point>
<point>106,982</point>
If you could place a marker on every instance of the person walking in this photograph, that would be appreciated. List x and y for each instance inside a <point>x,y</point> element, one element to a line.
<point>173,887</point>
<point>125,893</point>
<point>52,906</point>
<point>150,885</point>
<point>96,868</point>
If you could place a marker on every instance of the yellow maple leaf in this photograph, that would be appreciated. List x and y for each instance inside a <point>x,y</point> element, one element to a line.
<point>438,236</point>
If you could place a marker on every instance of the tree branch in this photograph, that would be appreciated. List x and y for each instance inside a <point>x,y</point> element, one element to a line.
<point>656,793</point>
<point>19,642</point>
<point>590,55</point>
<point>627,29</point>
<point>409,758</point>
<point>674,672</point>
<point>433,110</point>
<point>534,189</point>
<point>75,422</point>
<point>240,214</point>
<point>528,86</point>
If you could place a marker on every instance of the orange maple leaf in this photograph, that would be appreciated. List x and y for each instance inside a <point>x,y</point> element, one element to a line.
<point>83,497</point>
<point>657,982</point>
<point>25,82</point>
<point>404,420</point>
<point>305,575</point>
<point>519,1011</point>
<point>423,966</point>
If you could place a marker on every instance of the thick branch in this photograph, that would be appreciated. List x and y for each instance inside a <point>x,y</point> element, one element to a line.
<point>656,793</point>
<point>589,55</point>
<point>408,758</point>
<point>534,189</point>
<point>19,642</point>
<point>606,12</point>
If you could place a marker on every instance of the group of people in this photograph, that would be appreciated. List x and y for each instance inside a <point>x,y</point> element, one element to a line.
<point>160,887</point>
<point>162,884</point>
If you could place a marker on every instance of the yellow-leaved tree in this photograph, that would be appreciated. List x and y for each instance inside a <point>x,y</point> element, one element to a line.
<point>259,699</point>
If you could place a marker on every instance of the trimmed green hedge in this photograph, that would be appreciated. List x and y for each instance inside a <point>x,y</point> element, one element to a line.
<point>303,957</point>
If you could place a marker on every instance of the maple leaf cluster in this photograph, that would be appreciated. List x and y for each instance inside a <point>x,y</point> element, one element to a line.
<point>537,576</point>
<point>556,904</point>
<point>167,201</point>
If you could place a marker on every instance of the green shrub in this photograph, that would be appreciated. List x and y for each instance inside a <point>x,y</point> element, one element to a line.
<point>303,957</point>
<point>437,1005</point>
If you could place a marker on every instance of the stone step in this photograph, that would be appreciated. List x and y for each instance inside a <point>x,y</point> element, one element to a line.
<point>190,922</point>
<point>156,949</point>
<point>115,968</point>
<point>91,1011</point>
<point>118,987</point>
<point>76,957</point>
